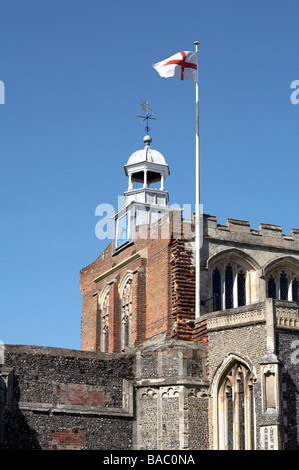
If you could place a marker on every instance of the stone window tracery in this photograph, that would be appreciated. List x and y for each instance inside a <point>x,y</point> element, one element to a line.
<point>229,284</point>
<point>105,322</point>
<point>295,290</point>
<point>126,313</point>
<point>282,284</point>
<point>235,409</point>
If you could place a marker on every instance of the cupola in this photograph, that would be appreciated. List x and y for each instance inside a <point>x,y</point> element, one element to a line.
<point>147,172</point>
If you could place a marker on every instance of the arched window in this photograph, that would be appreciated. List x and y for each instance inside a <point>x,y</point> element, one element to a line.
<point>241,288</point>
<point>126,313</point>
<point>229,285</point>
<point>216,290</point>
<point>105,322</point>
<point>271,287</point>
<point>235,409</point>
<point>295,290</point>
<point>282,284</point>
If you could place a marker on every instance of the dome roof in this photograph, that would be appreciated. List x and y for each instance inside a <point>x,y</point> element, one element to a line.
<point>147,154</point>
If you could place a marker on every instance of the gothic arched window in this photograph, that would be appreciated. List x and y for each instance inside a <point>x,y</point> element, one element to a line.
<point>271,287</point>
<point>235,409</point>
<point>126,313</point>
<point>282,284</point>
<point>229,285</point>
<point>241,288</point>
<point>295,290</point>
<point>216,290</point>
<point>105,322</point>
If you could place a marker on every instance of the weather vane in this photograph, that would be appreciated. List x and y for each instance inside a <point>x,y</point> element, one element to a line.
<point>145,107</point>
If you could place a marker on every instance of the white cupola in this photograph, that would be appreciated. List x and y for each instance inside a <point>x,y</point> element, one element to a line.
<point>147,172</point>
<point>146,199</point>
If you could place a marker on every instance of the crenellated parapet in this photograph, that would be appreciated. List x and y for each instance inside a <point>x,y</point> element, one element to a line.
<point>240,230</point>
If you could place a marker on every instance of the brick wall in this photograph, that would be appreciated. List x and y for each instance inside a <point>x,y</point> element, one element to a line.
<point>183,289</point>
<point>68,439</point>
<point>148,260</point>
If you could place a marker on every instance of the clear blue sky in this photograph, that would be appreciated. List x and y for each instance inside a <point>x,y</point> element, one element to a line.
<point>75,72</point>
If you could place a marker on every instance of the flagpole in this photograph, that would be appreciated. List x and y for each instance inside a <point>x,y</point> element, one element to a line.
<point>197,201</point>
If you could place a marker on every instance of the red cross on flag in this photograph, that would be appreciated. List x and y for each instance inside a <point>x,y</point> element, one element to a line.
<point>182,66</point>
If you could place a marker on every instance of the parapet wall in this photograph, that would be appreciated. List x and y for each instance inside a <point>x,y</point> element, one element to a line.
<point>267,234</point>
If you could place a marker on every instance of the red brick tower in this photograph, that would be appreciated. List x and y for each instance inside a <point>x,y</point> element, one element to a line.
<point>134,290</point>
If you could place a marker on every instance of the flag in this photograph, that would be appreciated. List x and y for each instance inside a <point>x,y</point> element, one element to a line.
<point>182,66</point>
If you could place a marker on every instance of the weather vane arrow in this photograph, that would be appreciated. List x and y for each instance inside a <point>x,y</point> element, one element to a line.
<point>145,107</point>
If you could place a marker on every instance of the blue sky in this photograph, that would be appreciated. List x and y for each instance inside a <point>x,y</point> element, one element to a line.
<point>75,73</point>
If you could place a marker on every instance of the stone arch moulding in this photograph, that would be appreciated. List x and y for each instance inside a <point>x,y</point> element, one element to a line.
<point>102,295</point>
<point>126,277</point>
<point>224,368</point>
<point>230,295</point>
<point>226,364</point>
<point>103,319</point>
<point>235,255</point>
<point>281,262</point>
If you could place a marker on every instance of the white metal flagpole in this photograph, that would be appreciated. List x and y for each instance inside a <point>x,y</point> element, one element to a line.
<point>197,201</point>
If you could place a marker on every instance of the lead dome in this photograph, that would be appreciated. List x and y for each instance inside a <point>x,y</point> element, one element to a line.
<point>146,154</point>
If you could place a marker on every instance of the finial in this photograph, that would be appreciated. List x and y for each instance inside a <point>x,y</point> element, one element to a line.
<point>147,140</point>
<point>145,107</point>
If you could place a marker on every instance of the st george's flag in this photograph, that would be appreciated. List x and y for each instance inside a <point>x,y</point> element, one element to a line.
<point>182,66</point>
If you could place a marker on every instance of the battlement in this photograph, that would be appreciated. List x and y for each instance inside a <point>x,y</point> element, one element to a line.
<point>240,230</point>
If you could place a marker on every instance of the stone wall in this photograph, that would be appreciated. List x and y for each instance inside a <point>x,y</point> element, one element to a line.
<point>62,399</point>
<point>241,334</point>
<point>287,343</point>
<point>172,396</point>
<point>260,249</point>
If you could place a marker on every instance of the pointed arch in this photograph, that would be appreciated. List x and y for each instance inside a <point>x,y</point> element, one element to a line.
<point>233,279</point>
<point>234,254</point>
<point>104,318</point>
<point>128,275</point>
<point>126,296</point>
<point>232,393</point>
<point>282,276</point>
<point>281,261</point>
